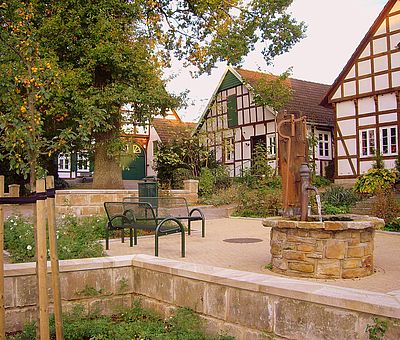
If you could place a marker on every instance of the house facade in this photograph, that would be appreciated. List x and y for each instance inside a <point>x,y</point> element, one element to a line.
<point>365,98</point>
<point>233,125</point>
<point>142,141</point>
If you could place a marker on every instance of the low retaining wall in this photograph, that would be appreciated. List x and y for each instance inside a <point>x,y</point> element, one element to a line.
<point>241,304</point>
<point>82,202</point>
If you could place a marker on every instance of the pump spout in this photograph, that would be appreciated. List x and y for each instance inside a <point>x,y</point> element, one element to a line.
<point>305,188</point>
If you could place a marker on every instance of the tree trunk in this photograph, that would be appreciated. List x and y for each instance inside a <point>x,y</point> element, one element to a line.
<point>107,172</point>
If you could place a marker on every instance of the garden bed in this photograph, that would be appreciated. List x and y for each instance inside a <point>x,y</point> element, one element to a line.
<point>133,323</point>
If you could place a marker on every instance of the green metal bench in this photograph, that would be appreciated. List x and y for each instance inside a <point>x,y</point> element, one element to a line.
<point>176,207</point>
<point>141,216</point>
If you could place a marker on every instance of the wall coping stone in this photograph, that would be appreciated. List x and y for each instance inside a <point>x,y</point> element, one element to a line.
<point>358,222</point>
<point>364,301</point>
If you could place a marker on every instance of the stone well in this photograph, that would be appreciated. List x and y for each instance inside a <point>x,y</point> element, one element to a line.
<point>330,249</point>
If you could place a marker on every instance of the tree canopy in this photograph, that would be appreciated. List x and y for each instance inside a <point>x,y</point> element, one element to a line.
<point>69,66</point>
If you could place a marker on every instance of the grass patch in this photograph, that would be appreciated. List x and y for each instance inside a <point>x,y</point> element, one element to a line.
<point>133,323</point>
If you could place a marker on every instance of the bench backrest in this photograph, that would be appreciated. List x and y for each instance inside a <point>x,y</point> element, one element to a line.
<point>124,214</point>
<point>164,206</point>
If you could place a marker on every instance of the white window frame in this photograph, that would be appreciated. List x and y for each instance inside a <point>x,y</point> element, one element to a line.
<point>325,143</point>
<point>229,150</point>
<point>271,145</point>
<point>371,149</point>
<point>64,162</point>
<point>392,147</point>
<point>82,159</point>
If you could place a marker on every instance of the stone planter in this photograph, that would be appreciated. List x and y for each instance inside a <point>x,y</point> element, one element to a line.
<point>330,249</point>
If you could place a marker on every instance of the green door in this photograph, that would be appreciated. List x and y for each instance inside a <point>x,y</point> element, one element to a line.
<point>136,168</point>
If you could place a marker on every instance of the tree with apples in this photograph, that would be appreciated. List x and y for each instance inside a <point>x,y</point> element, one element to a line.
<point>112,52</point>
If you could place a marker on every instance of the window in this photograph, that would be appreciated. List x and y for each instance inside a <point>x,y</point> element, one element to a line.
<point>389,140</point>
<point>232,111</point>
<point>64,162</point>
<point>324,144</point>
<point>82,162</point>
<point>271,145</point>
<point>368,142</point>
<point>229,149</point>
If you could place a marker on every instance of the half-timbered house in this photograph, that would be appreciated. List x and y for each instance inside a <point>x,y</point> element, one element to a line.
<point>365,97</point>
<point>141,139</point>
<point>233,124</point>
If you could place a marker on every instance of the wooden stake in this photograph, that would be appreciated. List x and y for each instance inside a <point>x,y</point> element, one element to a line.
<point>2,308</point>
<point>41,263</point>
<point>55,276</point>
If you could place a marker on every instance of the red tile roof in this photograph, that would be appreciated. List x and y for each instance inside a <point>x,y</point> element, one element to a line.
<point>306,97</point>
<point>170,129</point>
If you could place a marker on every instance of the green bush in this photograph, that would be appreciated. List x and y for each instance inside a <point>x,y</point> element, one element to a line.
<point>338,200</point>
<point>320,181</point>
<point>206,182</point>
<point>76,237</point>
<point>376,179</point>
<point>394,225</point>
<point>260,202</point>
<point>133,323</point>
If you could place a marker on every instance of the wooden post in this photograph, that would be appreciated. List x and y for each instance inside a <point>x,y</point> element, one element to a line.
<point>2,308</point>
<point>55,276</point>
<point>41,263</point>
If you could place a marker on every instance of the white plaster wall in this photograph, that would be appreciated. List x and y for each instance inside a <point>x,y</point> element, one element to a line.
<point>364,67</point>
<point>154,137</point>
<point>381,82</point>
<point>345,109</point>
<point>218,153</point>
<point>238,134</point>
<point>390,117</point>
<point>347,127</point>
<point>271,127</point>
<point>366,121</point>
<point>366,52</point>
<point>352,73</point>
<point>387,102</point>
<point>389,163</point>
<point>381,29</point>
<point>379,45</point>
<point>240,118</point>
<point>246,149</point>
<point>231,92</point>
<point>239,102</point>
<point>365,166</point>
<point>260,129</point>
<point>394,23</point>
<point>394,40</point>
<point>248,132</point>
<point>349,88</point>
<point>253,114</point>
<point>396,78</point>
<point>260,115</point>
<point>344,167</point>
<point>381,63</point>
<point>396,7</point>
<point>365,85</point>
<point>351,147</point>
<point>366,105</point>
<point>246,116</point>
<point>395,59</point>
<point>238,151</point>
<point>337,93</point>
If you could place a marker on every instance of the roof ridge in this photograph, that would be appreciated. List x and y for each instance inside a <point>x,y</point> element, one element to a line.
<point>291,78</point>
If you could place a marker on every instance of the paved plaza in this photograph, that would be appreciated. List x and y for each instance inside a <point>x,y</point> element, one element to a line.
<point>214,250</point>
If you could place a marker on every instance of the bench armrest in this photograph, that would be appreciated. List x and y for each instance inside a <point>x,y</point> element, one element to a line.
<point>198,210</point>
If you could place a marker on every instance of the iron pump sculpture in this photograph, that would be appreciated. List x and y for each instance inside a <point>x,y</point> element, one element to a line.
<point>293,164</point>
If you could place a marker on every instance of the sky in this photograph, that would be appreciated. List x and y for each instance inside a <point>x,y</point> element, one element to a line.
<point>334,30</point>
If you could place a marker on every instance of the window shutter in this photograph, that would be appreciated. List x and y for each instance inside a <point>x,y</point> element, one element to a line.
<point>232,111</point>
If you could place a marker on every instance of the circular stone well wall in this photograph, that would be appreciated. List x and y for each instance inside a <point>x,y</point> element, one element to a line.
<point>330,249</point>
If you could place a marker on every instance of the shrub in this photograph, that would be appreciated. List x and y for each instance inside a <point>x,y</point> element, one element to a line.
<point>223,196</point>
<point>133,323</point>
<point>77,238</point>
<point>321,181</point>
<point>338,200</point>
<point>394,225</point>
<point>259,202</point>
<point>386,206</point>
<point>206,182</point>
<point>375,179</point>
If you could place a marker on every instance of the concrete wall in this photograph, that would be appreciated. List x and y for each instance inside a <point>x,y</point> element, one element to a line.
<point>90,202</point>
<point>245,305</point>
